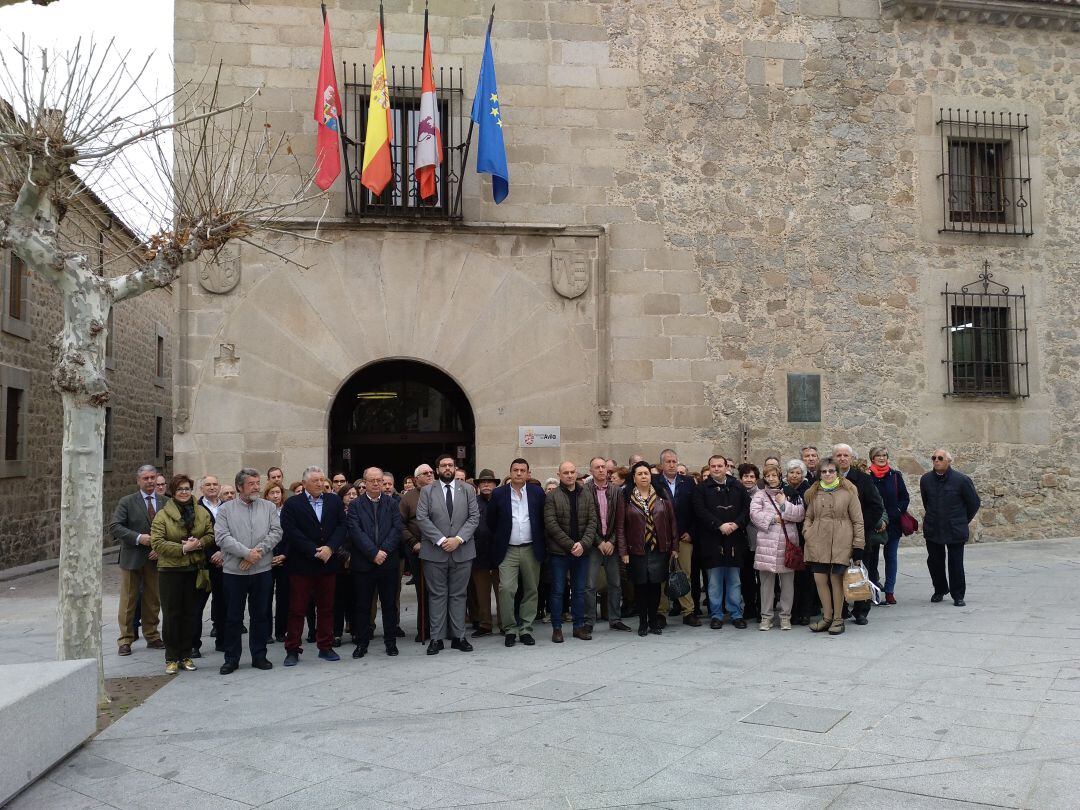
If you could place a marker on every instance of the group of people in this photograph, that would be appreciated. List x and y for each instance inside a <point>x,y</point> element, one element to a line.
<point>765,545</point>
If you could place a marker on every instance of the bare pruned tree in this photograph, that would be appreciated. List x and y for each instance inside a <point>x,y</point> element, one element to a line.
<point>224,176</point>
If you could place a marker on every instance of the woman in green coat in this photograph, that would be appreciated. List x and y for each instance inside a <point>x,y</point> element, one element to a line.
<point>180,533</point>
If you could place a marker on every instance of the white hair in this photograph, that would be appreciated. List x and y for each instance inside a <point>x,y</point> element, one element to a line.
<point>795,464</point>
<point>418,470</point>
<point>145,468</point>
<point>846,447</point>
<point>309,471</point>
<point>948,455</point>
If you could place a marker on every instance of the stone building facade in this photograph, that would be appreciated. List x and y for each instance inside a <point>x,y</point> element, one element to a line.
<point>706,197</point>
<point>138,367</point>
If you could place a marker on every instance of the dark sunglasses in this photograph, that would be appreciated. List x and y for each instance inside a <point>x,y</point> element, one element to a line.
<point>938,458</point>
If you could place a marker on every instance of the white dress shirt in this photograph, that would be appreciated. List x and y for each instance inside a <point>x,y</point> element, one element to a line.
<point>520,528</point>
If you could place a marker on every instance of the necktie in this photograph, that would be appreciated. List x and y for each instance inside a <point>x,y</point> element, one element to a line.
<point>449,502</point>
<point>150,511</point>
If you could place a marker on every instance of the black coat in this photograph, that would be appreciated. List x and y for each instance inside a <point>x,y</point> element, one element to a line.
<point>714,505</point>
<point>500,516</point>
<point>302,534</point>
<point>951,503</point>
<point>895,496</point>
<point>872,507</point>
<point>368,535</point>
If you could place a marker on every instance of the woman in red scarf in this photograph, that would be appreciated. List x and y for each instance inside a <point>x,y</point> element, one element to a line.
<point>894,494</point>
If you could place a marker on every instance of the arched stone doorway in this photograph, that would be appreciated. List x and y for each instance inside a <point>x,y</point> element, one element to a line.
<point>397,414</point>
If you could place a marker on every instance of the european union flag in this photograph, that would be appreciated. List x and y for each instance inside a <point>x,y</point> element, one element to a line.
<point>487,114</point>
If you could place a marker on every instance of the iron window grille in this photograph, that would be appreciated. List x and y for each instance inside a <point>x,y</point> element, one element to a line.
<point>401,198</point>
<point>986,347</point>
<point>985,172</point>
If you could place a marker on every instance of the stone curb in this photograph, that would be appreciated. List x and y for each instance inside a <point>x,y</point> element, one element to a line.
<point>42,565</point>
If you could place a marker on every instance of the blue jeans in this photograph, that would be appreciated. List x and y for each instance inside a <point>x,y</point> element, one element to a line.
<point>255,590</point>
<point>890,564</point>
<point>725,592</point>
<point>578,567</point>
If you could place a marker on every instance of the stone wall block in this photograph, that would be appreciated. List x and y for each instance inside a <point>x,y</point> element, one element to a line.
<point>860,9</point>
<point>665,304</point>
<point>819,8</point>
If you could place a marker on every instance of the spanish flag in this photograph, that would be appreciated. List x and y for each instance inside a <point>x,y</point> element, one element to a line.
<point>377,170</point>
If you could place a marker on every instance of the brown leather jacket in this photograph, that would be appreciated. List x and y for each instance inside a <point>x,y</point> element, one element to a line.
<point>630,527</point>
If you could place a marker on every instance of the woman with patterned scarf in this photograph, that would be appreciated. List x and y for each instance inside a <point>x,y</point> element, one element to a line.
<point>647,539</point>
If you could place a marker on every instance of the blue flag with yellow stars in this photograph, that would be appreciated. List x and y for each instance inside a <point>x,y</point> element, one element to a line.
<point>487,113</point>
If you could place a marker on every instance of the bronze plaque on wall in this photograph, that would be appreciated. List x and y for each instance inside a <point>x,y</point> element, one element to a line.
<point>804,397</point>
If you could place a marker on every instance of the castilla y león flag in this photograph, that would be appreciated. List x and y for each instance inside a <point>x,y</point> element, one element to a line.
<point>429,148</point>
<point>377,171</point>
<point>327,116</point>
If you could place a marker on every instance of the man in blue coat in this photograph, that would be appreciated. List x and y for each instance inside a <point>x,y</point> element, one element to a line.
<point>681,488</point>
<point>312,530</point>
<point>515,516</point>
<point>375,541</point>
<point>951,503</point>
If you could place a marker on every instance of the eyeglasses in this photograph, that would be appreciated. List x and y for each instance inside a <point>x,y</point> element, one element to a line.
<point>827,472</point>
<point>339,480</point>
<point>938,458</point>
<point>182,489</point>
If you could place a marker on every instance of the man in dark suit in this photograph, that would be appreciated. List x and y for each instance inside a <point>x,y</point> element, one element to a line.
<point>485,572</point>
<point>210,500</point>
<point>312,531</point>
<point>515,516</point>
<point>602,555</point>
<point>447,516</point>
<point>681,488</point>
<point>130,527</point>
<point>873,511</point>
<point>810,459</point>
<point>374,543</point>
<point>410,545</point>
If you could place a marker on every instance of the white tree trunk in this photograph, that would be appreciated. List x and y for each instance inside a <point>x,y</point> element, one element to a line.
<point>78,375</point>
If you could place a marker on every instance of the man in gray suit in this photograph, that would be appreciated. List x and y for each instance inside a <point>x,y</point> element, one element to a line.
<point>130,527</point>
<point>447,516</point>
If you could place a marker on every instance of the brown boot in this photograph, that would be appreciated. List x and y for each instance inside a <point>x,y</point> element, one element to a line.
<point>556,637</point>
<point>583,634</point>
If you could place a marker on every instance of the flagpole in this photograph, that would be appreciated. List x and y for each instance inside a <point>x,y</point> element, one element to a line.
<point>468,139</point>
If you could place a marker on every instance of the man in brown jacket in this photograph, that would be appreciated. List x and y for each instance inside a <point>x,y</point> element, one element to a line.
<point>410,545</point>
<point>570,522</point>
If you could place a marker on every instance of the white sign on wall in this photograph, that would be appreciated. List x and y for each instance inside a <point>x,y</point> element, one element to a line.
<point>539,436</point>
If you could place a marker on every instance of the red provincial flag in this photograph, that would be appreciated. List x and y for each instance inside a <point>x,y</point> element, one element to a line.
<point>429,148</point>
<point>327,116</point>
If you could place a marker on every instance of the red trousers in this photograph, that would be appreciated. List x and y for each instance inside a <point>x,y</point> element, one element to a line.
<point>301,589</point>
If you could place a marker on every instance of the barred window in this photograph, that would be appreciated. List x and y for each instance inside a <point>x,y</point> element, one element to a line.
<point>986,340</point>
<point>985,172</point>
<point>401,198</point>
<point>15,294</point>
<point>14,402</point>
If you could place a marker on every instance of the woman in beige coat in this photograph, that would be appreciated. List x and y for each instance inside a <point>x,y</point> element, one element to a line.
<point>833,531</point>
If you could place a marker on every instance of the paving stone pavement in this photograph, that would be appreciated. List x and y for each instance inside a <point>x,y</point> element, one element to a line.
<point>930,706</point>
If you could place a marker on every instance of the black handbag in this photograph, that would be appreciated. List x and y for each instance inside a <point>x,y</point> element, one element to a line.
<point>678,584</point>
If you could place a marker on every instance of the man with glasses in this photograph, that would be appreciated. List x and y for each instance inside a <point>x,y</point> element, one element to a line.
<point>410,545</point>
<point>447,516</point>
<point>130,527</point>
<point>950,503</point>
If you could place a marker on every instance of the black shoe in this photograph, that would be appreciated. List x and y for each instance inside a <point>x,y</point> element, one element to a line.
<point>280,639</point>
<point>691,620</point>
<point>213,632</point>
<point>433,647</point>
<point>661,620</point>
<point>861,620</point>
<point>410,581</point>
<point>527,639</point>
<point>270,640</point>
<point>391,648</point>
<point>292,659</point>
<point>417,639</point>
<point>739,623</point>
<point>643,630</point>
<point>399,632</point>
<point>310,638</point>
<point>195,653</point>
<point>228,667</point>
<point>243,629</point>
<point>359,652</point>
<point>462,644</point>
<point>337,641</point>
<point>481,633</point>
<point>674,610</point>
<point>617,625</point>
<point>656,631</point>
<point>937,597</point>
<point>958,602</point>
<point>510,640</point>
<point>262,663</point>
<point>716,624</point>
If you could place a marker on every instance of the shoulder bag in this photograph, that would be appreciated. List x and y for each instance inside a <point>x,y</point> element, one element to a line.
<point>793,553</point>
<point>908,524</point>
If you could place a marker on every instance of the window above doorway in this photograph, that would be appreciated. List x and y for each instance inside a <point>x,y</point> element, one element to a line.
<point>401,198</point>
